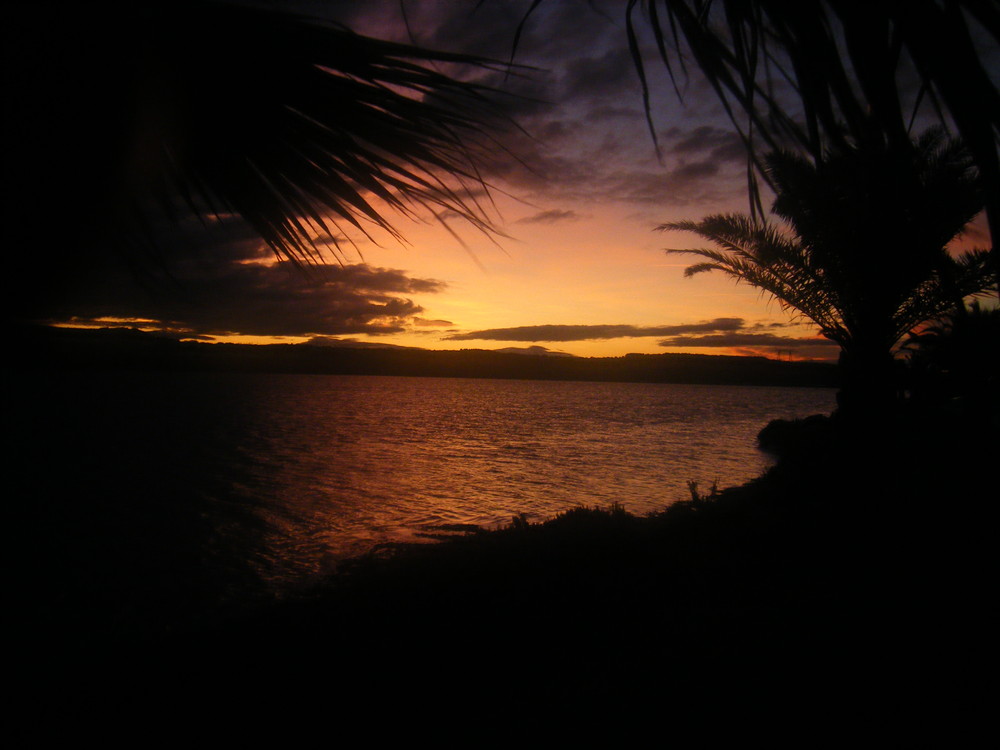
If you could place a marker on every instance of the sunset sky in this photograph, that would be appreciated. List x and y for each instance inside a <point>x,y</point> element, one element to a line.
<point>580,270</point>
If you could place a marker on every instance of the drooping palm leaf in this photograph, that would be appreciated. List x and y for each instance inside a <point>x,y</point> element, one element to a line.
<point>846,65</point>
<point>755,253</point>
<point>122,115</point>
<point>864,254</point>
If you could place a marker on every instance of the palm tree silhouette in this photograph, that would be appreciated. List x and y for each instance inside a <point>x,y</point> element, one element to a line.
<point>863,254</point>
<point>125,117</point>
<point>815,75</point>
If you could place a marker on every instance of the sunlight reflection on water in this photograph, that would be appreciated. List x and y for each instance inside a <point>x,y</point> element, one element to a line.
<point>337,464</point>
<point>219,482</point>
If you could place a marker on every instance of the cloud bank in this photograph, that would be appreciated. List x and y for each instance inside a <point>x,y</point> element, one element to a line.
<point>255,299</point>
<point>593,332</point>
<point>720,333</point>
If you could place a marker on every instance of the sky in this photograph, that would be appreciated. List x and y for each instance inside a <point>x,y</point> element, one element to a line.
<point>577,267</point>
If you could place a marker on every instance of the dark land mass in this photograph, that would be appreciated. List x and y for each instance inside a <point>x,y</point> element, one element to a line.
<point>129,349</point>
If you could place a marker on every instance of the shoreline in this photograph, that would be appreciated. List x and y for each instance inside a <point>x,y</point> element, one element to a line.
<point>862,559</point>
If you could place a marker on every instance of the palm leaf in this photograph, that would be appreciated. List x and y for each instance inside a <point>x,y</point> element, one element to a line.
<point>758,254</point>
<point>294,124</point>
<point>846,63</point>
<point>836,263</point>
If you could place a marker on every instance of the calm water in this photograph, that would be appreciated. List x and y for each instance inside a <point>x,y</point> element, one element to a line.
<point>273,479</point>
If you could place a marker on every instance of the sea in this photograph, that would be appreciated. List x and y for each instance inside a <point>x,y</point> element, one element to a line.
<point>159,496</point>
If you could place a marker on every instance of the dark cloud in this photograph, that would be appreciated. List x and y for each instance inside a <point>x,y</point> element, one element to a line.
<point>593,332</point>
<point>688,184</point>
<point>688,173</point>
<point>432,323</point>
<point>534,167</point>
<point>579,104</point>
<point>524,96</point>
<point>486,29</point>
<point>218,240</point>
<point>593,176</point>
<point>733,152</point>
<point>553,131</point>
<point>266,300</point>
<point>549,217</point>
<point>718,144</point>
<point>610,112</point>
<point>552,33</point>
<point>612,75</point>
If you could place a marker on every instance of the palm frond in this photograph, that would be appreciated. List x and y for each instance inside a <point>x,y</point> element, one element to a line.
<point>847,64</point>
<point>297,125</point>
<point>775,270</point>
<point>969,275</point>
<point>835,263</point>
<point>738,233</point>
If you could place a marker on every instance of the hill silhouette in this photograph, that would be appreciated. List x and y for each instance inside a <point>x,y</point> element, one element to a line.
<point>67,349</point>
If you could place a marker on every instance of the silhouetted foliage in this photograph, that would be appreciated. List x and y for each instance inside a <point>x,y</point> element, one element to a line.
<point>954,364</point>
<point>816,75</point>
<point>864,252</point>
<point>124,117</point>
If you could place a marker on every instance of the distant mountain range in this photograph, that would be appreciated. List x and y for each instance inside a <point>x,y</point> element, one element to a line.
<point>45,348</point>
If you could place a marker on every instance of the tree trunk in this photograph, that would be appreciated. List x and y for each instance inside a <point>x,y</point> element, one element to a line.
<point>869,390</point>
